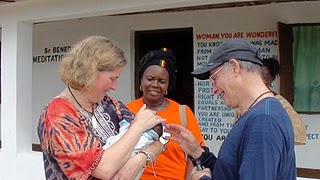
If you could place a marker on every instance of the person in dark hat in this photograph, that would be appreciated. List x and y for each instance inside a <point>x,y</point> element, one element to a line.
<point>158,77</point>
<point>261,144</point>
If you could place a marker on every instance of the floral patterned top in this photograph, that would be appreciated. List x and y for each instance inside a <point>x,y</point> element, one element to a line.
<point>71,138</point>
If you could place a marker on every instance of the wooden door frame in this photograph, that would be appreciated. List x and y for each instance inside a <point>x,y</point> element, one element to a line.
<point>286,79</point>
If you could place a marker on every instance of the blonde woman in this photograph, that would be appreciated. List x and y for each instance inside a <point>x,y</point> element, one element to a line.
<point>75,125</point>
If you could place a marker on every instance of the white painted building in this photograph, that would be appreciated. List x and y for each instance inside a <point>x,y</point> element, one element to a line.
<point>28,27</point>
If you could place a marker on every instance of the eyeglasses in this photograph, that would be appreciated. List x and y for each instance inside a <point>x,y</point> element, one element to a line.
<point>211,77</point>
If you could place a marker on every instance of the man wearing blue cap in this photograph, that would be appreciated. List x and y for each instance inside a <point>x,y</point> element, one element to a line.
<point>261,143</point>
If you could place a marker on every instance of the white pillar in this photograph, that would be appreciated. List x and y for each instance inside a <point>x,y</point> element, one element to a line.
<point>16,94</point>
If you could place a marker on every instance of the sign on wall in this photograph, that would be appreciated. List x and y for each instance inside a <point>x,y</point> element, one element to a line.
<point>215,118</point>
<point>51,54</point>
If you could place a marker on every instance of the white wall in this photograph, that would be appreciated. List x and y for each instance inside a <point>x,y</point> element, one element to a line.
<point>0,103</point>
<point>45,83</point>
<point>0,122</point>
<point>308,155</point>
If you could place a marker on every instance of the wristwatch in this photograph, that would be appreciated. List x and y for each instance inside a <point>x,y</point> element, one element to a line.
<point>197,162</point>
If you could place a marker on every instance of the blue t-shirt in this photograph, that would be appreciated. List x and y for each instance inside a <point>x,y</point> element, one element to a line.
<point>260,146</point>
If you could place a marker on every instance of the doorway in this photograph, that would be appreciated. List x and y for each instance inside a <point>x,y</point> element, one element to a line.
<point>180,41</point>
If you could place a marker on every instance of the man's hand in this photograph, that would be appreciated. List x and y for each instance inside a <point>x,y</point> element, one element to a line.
<point>196,175</point>
<point>185,139</point>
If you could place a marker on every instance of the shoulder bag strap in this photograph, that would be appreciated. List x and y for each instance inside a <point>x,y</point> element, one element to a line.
<point>182,111</point>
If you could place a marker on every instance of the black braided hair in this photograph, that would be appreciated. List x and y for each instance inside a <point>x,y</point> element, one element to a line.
<point>273,66</point>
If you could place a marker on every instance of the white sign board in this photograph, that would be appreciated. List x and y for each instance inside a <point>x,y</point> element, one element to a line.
<point>215,119</point>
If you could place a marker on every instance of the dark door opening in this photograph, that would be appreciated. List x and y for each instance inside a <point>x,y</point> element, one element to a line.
<point>180,41</point>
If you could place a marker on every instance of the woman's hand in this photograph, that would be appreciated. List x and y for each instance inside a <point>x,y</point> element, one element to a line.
<point>147,118</point>
<point>185,139</point>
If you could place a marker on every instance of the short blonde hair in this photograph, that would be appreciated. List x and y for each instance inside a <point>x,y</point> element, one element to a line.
<point>95,53</point>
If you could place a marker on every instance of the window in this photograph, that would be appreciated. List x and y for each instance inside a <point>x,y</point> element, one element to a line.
<point>299,60</point>
<point>306,74</point>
